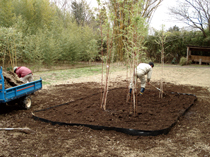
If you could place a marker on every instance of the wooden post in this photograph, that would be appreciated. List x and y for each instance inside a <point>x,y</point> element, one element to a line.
<point>200,61</point>
<point>188,53</point>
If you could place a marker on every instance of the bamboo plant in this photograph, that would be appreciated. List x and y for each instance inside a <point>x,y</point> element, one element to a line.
<point>128,29</point>
<point>161,41</point>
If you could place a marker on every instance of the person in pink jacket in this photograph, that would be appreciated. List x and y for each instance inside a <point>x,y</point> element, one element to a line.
<point>24,73</point>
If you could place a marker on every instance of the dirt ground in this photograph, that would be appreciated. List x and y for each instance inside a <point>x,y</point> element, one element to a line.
<point>150,111</point>
<point>189,136</point>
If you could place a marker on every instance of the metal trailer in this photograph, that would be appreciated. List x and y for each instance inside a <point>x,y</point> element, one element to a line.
<point>18,94</point>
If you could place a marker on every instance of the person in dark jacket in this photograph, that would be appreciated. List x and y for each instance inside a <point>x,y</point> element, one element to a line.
<point>24,73</point>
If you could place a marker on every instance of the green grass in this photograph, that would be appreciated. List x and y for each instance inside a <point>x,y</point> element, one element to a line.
<point>53,76</point>
<point>45,83</point>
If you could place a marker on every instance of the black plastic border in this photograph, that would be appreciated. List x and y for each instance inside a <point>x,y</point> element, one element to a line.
<point>132,132</point>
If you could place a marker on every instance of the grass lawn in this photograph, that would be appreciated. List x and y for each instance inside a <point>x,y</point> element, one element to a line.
<point>52,76</point>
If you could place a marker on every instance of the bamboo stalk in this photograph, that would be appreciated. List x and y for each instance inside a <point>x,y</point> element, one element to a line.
<point>15,60</point>
<point>12,54</point>
<point>107,80</point>
<point>3,59</point>
<point>102,60</point>
<point>162,65</point>
<point>103,105</point>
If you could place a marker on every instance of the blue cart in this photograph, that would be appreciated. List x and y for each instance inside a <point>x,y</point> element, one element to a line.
<point>19,94</point>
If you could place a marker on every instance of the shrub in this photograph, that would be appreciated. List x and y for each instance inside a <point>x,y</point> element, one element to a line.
<point>173,61</point>
<point>183,61</point>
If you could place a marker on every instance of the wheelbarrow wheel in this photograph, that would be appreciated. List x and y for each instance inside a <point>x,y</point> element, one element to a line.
<point>26,102</point>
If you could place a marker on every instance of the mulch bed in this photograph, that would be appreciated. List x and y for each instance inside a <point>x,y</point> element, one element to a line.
<point>152,112</point>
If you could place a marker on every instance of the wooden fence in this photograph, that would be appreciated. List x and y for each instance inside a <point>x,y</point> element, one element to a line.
<point>200,59</point>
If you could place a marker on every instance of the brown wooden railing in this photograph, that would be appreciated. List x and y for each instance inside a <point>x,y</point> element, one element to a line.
<point>196,58</point>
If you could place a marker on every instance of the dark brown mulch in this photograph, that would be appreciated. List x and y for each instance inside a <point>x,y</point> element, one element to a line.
<point>152,112</point>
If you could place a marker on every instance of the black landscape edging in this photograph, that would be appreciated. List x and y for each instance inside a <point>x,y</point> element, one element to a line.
<point>133,132</point>
<point>97,127</point>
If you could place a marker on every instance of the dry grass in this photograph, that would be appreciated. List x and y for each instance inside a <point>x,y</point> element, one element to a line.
<point>185,75</point>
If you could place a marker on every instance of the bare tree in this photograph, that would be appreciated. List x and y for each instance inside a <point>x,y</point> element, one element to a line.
<point>195,13</point>
<point>82,12</point>
<point>149,7</point>
<point>63,4</point>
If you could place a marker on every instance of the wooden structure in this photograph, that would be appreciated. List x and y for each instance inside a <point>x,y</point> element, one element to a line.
<point>198,58</point>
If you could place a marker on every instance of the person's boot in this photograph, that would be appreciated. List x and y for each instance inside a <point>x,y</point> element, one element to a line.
<point>130,90</point>
<point>141,91</point>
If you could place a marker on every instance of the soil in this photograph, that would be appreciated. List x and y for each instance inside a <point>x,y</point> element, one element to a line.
<point>11,79</point>
<point>150,112</point>
<point>188,137</point>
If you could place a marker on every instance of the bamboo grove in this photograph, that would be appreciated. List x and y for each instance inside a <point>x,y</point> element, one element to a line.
<point>39,32</point>
<point>126,40</point>
<point>48,32</point>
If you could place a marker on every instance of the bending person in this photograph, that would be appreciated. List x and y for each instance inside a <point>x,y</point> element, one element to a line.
<point>24,73</point>
<point>140,72</point>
